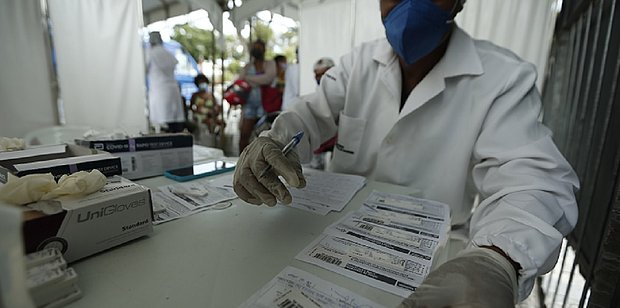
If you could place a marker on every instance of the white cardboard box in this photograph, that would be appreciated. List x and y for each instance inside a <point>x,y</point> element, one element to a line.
<point>147,156</point>
<point>121,211</point>
<point>58,160</point>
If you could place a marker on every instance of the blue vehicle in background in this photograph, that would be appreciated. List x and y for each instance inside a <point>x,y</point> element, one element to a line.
<point>186,69</point>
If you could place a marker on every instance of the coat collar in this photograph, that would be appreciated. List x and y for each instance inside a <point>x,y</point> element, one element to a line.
<point>461,58</point>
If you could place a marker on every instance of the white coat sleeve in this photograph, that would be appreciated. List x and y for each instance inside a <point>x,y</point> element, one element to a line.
<point>526,186</point>
<point>315,114</point>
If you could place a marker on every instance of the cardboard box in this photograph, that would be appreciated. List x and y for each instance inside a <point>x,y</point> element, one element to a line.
<point>147,156</point>
<point>121,211</point>
<point>58,160</point>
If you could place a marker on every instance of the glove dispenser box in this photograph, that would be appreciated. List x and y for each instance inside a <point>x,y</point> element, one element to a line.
<point>80,226</point>
<point>147,156</point>
<point>58,160</point>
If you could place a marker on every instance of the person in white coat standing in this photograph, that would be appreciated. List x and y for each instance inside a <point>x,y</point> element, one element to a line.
<point>165,103</point>
<point>450,117</point>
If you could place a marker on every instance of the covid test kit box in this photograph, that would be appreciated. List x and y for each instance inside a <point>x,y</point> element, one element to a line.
<point>80,226</point>
<point>57,160</point>
<point>147,156</point>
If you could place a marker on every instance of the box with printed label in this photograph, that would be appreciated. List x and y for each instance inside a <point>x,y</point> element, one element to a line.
<point>147,156</point>
<point>58,160</point>
<point>80,226</point>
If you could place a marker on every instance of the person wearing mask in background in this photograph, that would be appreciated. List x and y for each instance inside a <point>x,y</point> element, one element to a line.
<point>165,104</point>
<point>259,72</point>
<point>449,117</point>
<point>205,108</point>
<point>291,84</point>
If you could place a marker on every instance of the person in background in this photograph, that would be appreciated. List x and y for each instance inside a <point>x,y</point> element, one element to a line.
<point>280,81</point>
<point>259,72</point>
<point>452,118</point>
<point>204,107</point>
<point>291,84</point>
<point>320,67</point>
<point>165,105</point>
<point>318,158</point>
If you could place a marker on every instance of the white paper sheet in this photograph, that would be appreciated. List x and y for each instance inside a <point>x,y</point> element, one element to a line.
<point>395,273</point>
<point>389,243</point>
<point>416,207</point>
<point>296,288</point>
<point>357,227</point>
<point>171,202</point>
<point>182,193</point>
<point>326,191</point>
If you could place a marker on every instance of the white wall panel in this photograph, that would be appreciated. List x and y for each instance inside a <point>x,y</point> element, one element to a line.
<point>26,100</point>
<point>100,62</point>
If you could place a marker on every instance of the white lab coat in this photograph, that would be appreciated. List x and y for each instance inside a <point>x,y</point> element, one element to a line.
<point>470,126</point>
<point>165,103</point>
<point>291,86</point>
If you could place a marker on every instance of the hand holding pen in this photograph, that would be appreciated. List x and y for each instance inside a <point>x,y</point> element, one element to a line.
<point>256,175</point>
<point>287,148</point>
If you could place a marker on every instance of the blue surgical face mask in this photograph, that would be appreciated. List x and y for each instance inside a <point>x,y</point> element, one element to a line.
<point>203,86</point>
<point>414,28</point>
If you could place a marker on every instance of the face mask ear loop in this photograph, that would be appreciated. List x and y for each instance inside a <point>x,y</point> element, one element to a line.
<point>453,12</point>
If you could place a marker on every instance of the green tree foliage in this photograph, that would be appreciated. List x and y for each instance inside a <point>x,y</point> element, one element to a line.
<point>198,42</point>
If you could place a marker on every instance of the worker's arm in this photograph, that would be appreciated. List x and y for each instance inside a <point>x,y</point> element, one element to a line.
<point>526,186</point>
<point>316,115</point>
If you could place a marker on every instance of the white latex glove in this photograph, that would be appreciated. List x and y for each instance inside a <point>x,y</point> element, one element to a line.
<point>26,189</point>
<point>260,154</point>
<point>79,183</point>
<point>478,277</point>
<point>35,187</point>
<point>11,144</point>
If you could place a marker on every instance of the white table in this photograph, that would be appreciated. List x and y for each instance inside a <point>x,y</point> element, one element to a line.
<point>216,258</point>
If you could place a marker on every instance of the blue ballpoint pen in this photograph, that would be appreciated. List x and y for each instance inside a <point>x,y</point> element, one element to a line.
<point>287,148</point>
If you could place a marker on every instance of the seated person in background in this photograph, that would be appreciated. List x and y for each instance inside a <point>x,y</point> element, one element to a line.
<point>204,107</point>
<point>451,118</point>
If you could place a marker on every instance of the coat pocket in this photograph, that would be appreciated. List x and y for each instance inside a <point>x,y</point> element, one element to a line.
<point>350,134</point>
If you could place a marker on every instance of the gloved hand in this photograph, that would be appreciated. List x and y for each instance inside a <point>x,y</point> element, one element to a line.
<point>258,156</point>
<point>478,277</point>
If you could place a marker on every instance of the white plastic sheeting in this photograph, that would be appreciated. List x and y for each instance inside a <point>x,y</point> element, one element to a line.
<point>333,28</point>
<point>523,26</point>
<point>100,62</point>
<point>26,101</point>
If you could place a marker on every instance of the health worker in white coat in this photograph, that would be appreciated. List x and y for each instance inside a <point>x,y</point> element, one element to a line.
<point>450,117</point>
<point>165,103</point>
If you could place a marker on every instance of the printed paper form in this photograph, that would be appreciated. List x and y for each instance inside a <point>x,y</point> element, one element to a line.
<point>179,200</point>
<point>326,191</point>
<point>392,272</point>
<point>296,288</point>
<point>389,243</point>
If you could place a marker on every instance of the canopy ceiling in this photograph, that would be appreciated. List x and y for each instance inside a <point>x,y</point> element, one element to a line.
<point>156,10</point>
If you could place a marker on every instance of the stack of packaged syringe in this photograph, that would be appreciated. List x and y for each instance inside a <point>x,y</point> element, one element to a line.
<point>50,282</point>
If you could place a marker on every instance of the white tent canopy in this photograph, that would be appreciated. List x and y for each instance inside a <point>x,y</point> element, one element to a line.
<point>156,10</point>
<point>100,64</point>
